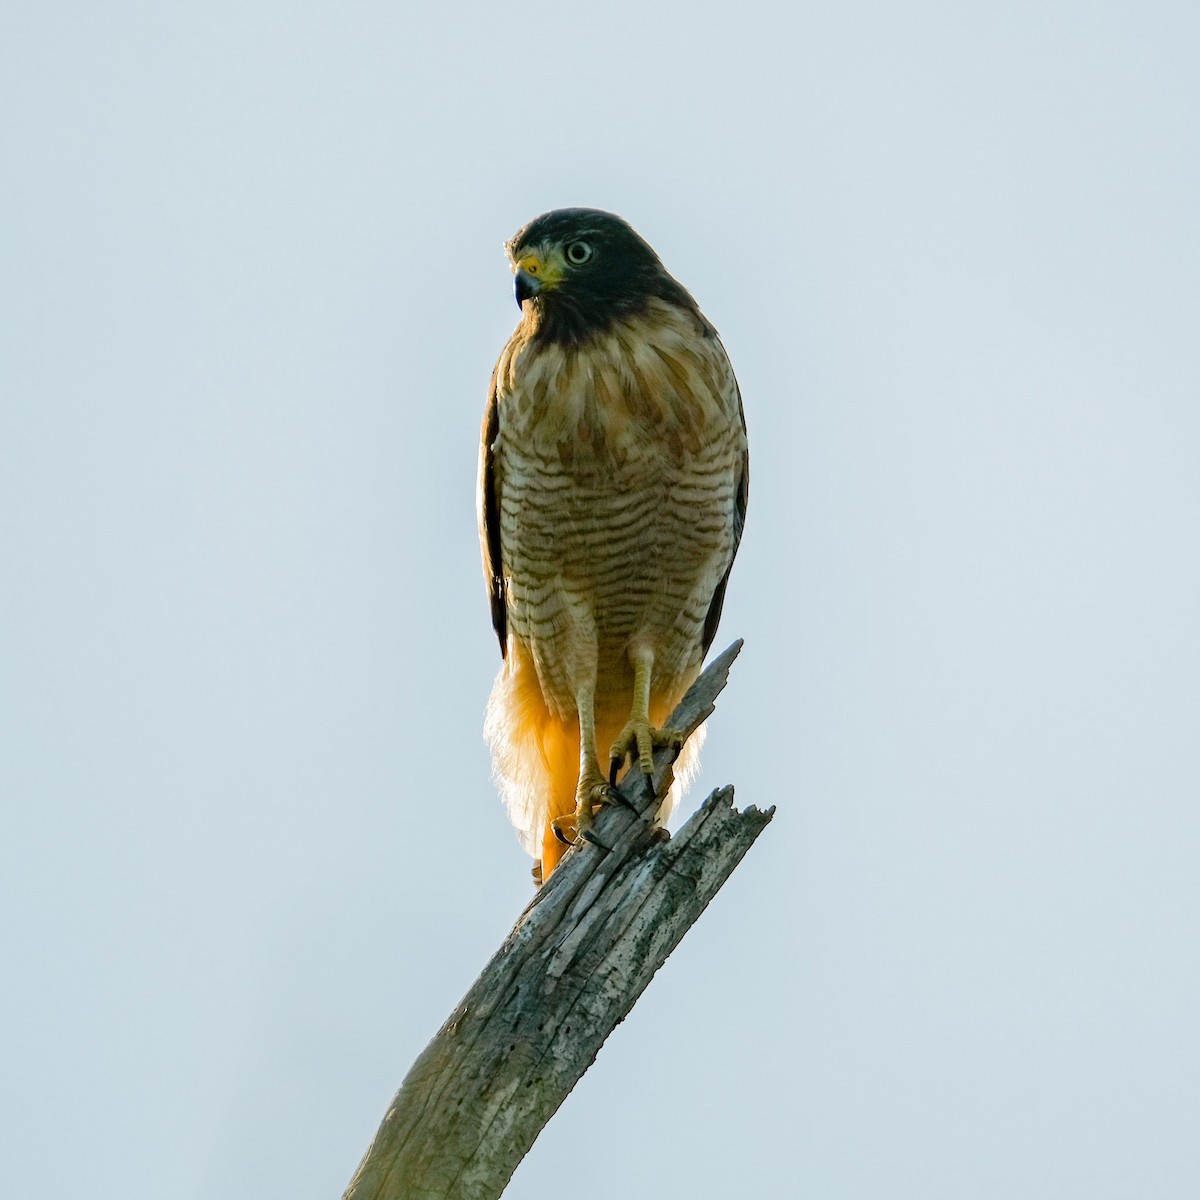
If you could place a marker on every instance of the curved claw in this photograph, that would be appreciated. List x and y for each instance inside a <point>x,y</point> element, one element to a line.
<point>560,824</point>
<point>626,803</point>
<point>618,797</point>
<point>589,835</point>
<point>638,740</point>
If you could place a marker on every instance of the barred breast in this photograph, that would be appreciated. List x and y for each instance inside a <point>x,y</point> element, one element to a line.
<point>616,466</point>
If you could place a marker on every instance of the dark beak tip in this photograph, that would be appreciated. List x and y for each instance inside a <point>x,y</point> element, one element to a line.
<point>526,287</point>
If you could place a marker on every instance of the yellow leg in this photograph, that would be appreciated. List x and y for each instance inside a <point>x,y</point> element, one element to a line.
<point>593,789</point>
<point>639,737</point>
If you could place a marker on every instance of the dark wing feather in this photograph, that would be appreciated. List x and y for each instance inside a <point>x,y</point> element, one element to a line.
<point>740,499</point>
<point>489,519</point>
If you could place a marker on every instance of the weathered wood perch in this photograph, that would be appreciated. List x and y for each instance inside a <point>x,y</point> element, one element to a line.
<point>571,969</point>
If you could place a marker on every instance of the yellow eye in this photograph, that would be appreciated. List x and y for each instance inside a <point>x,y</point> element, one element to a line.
<point>578,253</point>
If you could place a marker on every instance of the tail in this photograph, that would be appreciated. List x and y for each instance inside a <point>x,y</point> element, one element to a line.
<point>535,754</point>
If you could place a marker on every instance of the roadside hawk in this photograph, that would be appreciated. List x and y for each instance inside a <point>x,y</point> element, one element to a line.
<point>612,493</point>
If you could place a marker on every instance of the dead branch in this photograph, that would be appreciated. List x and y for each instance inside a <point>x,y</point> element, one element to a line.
<point>571,969</point>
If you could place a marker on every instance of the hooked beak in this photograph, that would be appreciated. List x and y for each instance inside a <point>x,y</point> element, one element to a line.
<point>527,286</point>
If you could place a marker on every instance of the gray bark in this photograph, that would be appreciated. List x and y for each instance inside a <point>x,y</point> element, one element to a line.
<point>571,969</point>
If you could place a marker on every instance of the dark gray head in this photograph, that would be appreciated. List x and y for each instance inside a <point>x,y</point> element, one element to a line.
<point>579,270</point>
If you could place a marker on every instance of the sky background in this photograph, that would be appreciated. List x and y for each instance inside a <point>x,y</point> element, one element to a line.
<point>251,292</point>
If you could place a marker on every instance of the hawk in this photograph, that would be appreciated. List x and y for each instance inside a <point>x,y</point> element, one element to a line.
<point>612,494</point>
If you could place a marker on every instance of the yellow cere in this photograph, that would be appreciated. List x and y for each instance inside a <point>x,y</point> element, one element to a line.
<point>545,267</point>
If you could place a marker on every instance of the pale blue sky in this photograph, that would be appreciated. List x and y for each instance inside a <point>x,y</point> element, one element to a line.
<point>251,291</point>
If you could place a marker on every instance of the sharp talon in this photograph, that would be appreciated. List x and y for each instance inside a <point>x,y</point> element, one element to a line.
<point>613,768</point>
<point>624,801</point>
<point>562,837</point>
<point>589,836</point>
<point>678,751</point>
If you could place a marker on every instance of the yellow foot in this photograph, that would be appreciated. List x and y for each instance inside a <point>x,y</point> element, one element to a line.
<point>591,794</point>
<point>638,740</point>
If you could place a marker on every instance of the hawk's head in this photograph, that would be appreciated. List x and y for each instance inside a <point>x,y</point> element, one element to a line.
<point>579,270</point>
